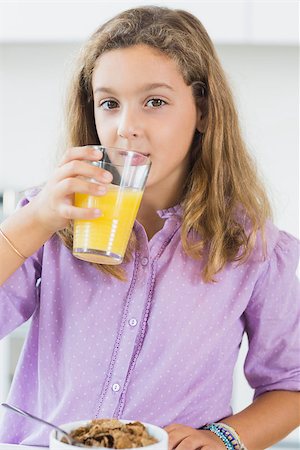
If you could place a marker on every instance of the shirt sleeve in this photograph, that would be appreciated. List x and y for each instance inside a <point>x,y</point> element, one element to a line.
<point>273,322</point>
<point>19,295</point>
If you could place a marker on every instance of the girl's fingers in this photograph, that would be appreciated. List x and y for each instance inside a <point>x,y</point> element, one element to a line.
<point>176,435</point>
<point>88,152</point>
<point>70,186</point>
<point>66,189</point>
<point>171,427</point>
<point>73,213</point>
<point>182,437</point>
<point>77,168</point>
<point>74,174</point>
<point>190,443</point>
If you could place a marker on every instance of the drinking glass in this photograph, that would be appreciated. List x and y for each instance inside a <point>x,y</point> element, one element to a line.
<point>104,239</point>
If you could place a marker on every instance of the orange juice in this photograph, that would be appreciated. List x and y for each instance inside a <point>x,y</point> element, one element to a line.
<point>105,238</point>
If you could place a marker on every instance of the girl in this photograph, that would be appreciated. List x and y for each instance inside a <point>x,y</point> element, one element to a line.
<point>155,339</point>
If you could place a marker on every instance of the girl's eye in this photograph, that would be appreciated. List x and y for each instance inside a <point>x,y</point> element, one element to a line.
<point>108,104</point>
<point>155,102</point>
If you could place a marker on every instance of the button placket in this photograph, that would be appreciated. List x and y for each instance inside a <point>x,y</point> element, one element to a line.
<point>127,343</point>
<point>156,248</point>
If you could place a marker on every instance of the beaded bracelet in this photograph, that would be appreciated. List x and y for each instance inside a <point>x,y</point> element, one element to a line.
<point>227,432</point>
<point>213,427</point>
<point>12,246</point>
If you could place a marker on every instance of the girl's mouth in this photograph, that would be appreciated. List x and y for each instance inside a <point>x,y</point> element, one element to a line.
<point>139,159</point>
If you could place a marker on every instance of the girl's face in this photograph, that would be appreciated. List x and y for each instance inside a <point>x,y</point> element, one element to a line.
<point>142,103</point>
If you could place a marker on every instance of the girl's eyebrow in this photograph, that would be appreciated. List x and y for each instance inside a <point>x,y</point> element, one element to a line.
<point>146,87</point>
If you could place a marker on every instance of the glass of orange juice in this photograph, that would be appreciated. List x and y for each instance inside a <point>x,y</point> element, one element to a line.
<point>104,239</point>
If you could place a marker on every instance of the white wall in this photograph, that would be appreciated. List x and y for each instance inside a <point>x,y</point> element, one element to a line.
<point>32,78</point>
<point>265,80</point>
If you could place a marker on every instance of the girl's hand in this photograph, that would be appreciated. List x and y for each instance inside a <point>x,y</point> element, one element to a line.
<point>182,437</point>
<point>53,206</point>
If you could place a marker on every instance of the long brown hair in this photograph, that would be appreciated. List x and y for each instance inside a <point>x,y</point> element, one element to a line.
<point>224,204</point>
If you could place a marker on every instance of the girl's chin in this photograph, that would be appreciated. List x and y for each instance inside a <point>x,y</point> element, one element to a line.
<point>151,182</point>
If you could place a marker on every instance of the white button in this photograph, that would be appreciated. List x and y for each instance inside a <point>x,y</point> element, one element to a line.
<point>144,261</point>
<point>116,387</point>
<point>132,322</point>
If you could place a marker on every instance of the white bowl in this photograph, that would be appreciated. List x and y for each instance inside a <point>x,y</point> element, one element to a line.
<point>154,431</point>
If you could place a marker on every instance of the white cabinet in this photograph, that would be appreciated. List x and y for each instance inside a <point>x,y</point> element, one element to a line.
<point>10,348</point>
<point>235,21</point>
<point>274,22</point>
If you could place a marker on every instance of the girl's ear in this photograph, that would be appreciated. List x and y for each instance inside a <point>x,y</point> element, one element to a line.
<point>201,121</point>
<point>200,95</point>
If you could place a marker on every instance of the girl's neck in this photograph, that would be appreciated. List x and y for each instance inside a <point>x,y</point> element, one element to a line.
<point>153,201</point>
<point>151,223</point>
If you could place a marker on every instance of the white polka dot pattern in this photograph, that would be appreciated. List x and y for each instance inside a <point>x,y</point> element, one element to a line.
<point>160,347</point>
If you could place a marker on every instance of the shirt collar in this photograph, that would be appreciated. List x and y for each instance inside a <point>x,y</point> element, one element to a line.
<point>170,212</point>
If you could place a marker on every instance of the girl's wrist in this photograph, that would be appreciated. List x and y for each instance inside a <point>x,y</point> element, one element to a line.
<point>25,230</point>
<point>227,434</point>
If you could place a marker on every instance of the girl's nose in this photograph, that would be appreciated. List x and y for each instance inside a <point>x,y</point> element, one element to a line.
<point>129,126</point>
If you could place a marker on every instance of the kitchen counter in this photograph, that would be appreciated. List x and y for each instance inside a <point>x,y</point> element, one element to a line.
<point>28,447</point>
<point>20,447</point>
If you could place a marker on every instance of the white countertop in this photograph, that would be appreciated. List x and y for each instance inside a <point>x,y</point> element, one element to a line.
<point>20,447</point>
<point>29,447</point>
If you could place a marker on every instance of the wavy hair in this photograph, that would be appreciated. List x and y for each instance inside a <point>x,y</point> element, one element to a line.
<point>224,204</point>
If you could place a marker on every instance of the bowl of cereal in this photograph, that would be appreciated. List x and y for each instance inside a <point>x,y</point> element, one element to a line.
<point>111,433</point>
